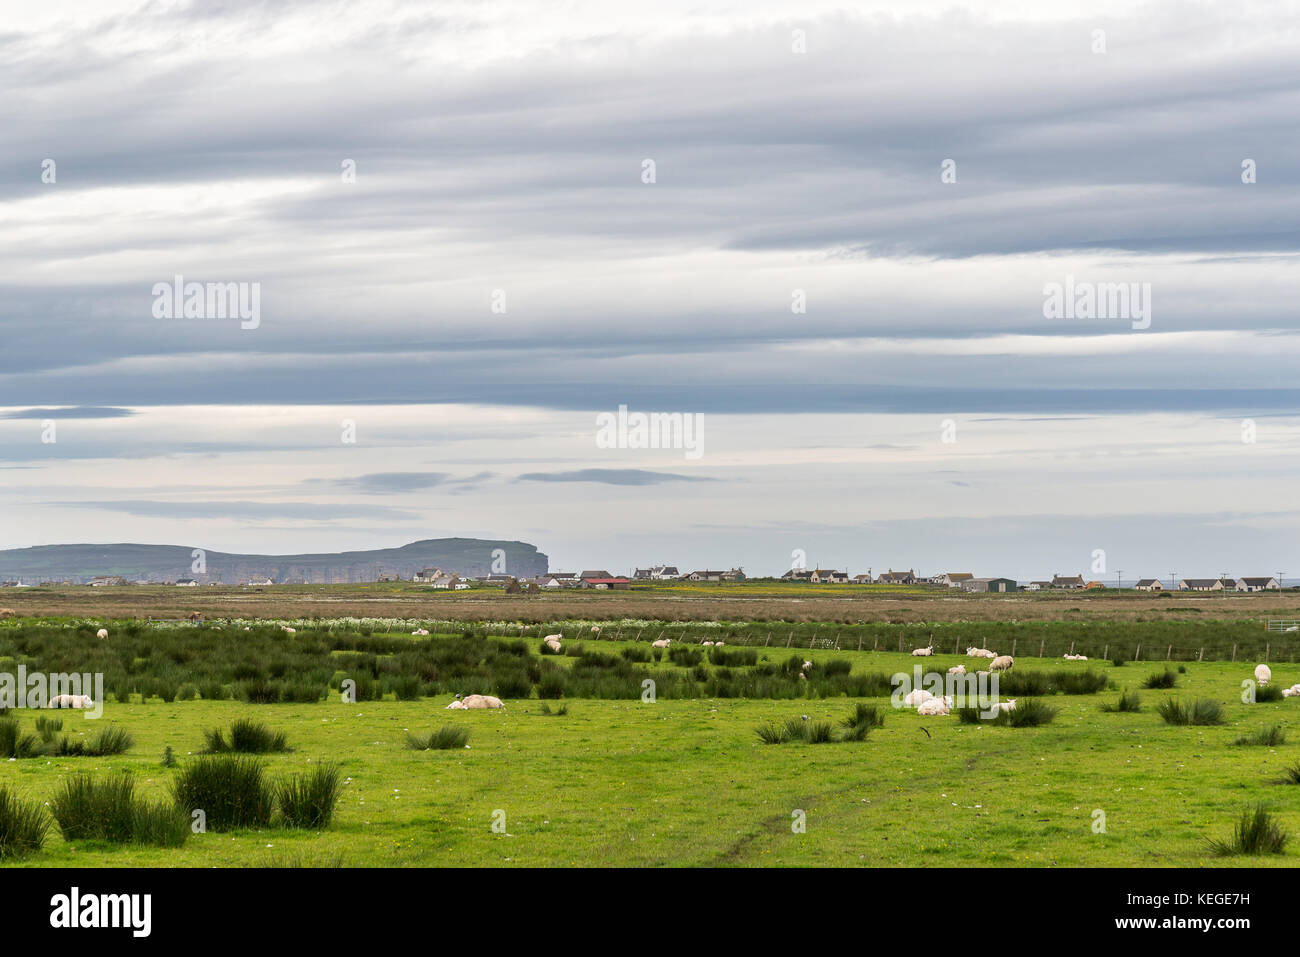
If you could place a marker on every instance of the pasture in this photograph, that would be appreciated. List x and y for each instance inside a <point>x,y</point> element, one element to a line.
<point>607,779</point>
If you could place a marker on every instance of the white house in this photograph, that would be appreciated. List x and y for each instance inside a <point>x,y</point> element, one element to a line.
<point>1257,584</point>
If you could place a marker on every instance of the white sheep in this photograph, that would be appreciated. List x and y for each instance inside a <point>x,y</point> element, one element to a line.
<point>1002,663</point>
<point>421,631</point>
<point>980,653</point>
<point>916,698</point>
<point>102,634</point>
<point>1290,692</point>
<point>70,701</point>
<point>456,705</point>
<point>957,670</point>
<point>719,642</point>
<point>934,706</point>
<point>288,631</point>
<point>1008,705</point>
<point>660,643</point>
<point>707,644</point>
<point>1263,674</point>
<point>922,652</point>
<point>806,665</point>
<point>482,701</point>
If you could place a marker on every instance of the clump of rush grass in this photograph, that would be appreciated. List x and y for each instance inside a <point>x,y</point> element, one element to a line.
<point>1267,693</point>
<point>1129,702</point>
<point>246,737</point>
<point>1265,737</point>
<point>1161,679</point>
<point>1256,833</point>
<point>447,737</point>
<point>23,826</point>
<point>1202,711</point>
<point>1028,713</point>
<point>307,800</point>
<point>1291,775</point>
<point>107,809</point>
<point>555,712</point>
<point>230,789</point>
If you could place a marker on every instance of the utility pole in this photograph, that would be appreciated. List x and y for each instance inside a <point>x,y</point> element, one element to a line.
<point>1173,581</point>
<point>1279,579</point>
<point>1119,577</point>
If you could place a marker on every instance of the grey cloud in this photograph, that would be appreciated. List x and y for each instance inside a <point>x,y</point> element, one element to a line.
<point>613,477</point>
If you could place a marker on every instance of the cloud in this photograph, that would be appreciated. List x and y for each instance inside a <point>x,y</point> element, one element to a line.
<point>257,511</point>
<point>76,412</point>
<point>613,477</point>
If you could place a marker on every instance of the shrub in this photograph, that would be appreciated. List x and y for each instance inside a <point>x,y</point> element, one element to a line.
<point>109,740</point>
<point>23,825</point>
<point>773,733</point>
<point>15,744</point>
<point>246,737</point>
<point>1292,775</point>
<point>47,728</point>
<point>307,800</point>
<point>1266,693</point>
<point>1266,737</point>
<point>1202,711</point>
<point>1162,679</point>
<point>444,739</point>
<point>230,789</point>
<point>558,712</point>
<point>161,824</point>
<point>87,807</point>
<point>1028,713</point>
<point>1256,833</point>
<point>1129,701</point>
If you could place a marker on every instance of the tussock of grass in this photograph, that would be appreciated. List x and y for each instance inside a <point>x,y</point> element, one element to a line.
<point>107,809</point>
<point>23,826</point>
<point>307,800</point>
<point>1265,737</point>
<point>1202,711</point>
<point>1267,693</point>
<point>1129,702</point>
<point>1292,774</point>
<point>556,712</point>
<point>1028,713</point>
<point>1256,833</point>
<point>246,737</point>
<point>230,789</point>
<point>447,737</point>
<point>1161,679</point>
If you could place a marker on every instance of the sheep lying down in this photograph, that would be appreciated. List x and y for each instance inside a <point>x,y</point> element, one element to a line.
<point>475,701</point>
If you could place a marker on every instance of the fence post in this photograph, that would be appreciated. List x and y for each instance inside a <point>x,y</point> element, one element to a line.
<point>789,638</point>
<point>1202,655</point>
<point>859,642</point>
<point>1137,655</point>
<point>1041,643</point>
<point>1106,652</point>
<point>1234,651</point>
<point>1013,647</point>
<point>875,643</point>
<point>1169,651</point>
<point>1071,648</point>
<point>1266,651</point>
<point>900,642</point>
<point>767,639</point>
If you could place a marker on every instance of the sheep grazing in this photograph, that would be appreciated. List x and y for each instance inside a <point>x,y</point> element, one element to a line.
<point>1263,674</point>
<point>101,634</point>
<point>707,644</point>
<point>660,643</point>
<point>922,652</point>
<point>1008,705</point>
<point>1002,663</point>
<point>70,701</point>
<point>958,670</point>
<point>916,698</point>
<point>420,631</point>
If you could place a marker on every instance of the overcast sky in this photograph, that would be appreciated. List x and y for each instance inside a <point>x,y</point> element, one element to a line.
<point>499,272</point>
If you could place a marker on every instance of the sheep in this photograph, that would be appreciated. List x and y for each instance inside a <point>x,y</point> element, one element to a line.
<point>456,705</point>
<point>958,670</point>
<point>917,697</point>
<point>287,630</point>
<point>1290,692</point>
<point>980,653</point>
<point>70,701</point>
<point>660,643</point>
<point>934,706</point>
<point>923,652</point>
<point>1263,674</point>
<point>595,631</point>
<point>719,642</point>
<point>101,634</point>
<point>8,613</point>
<point>707,644</point>
<point>1008,705</point>
<point>482,701</point>
<point>806,665</point>
<point>1002,663</point>
<point>552,642</point>
<point>420,631</point>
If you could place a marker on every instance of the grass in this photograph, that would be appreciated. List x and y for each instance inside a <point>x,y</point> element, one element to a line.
<point>1161,679</point>
<point>1256,833</point>
<point>90,807</point>
<point>1028,713</point>
<point>246,737</point>
<point>1269,737</point>
<point>1202,711</point>
<point>23,826</point>
<point>446,738</point>
<point>230,790</point>
<point>307,800</point>
<point>1130,702</point>
<point>567,786</point>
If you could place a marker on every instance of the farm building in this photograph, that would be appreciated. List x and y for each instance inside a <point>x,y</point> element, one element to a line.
<point>989,585</point>
<point>952,579</point>
<point>1206,584</point>
<point>1064,581</point>
<point>1149,584</point>
<point>606,582</point>
<point>1037,586</point>
<point>656,573</point>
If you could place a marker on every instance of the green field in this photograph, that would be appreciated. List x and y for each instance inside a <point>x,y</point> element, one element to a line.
<point>685,781</point>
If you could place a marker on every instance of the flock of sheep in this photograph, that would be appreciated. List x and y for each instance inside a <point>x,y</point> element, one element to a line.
<point>1264,674</point>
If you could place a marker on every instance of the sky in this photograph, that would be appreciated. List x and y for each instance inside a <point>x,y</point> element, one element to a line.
<point>828,236</point>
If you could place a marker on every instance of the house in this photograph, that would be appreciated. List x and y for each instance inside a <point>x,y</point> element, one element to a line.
<point>256,583</point>
<point>500,581</point>
<point>1038,586</point>
<point>444,581</point>
<point>1257,584</point>
<point>461,586</point>
<point>186,583</point>
<point>989,585</point>
<point>1149,584</point>
<point>595,573</point>
<point>1063,581</point>
<point>1094,585</point>
<point>952,579</point>
<point>100,580</point>
<point>735,575</point>
<point>862,579</point>
<point>1202,584</point>
<point>704,576</point>
<point>892,577</point>
<point>607,581</point>
<point>428,575</point>
<point>657,573</point>
<point>828,576</point>
<point>797,575</point>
